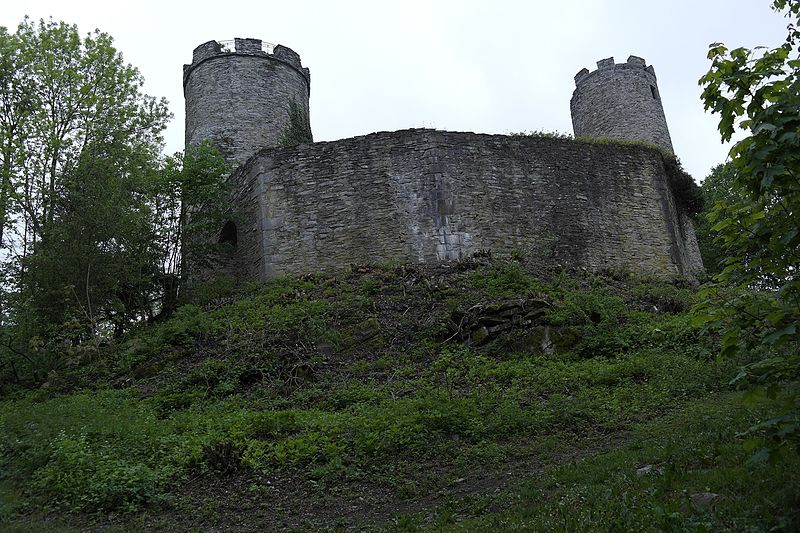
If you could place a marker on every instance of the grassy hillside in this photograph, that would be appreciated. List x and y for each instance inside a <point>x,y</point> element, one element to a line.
<point>473,396</point>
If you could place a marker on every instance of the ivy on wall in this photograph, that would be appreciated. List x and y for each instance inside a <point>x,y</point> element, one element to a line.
<point>298,131</point>
<point>687,192</point>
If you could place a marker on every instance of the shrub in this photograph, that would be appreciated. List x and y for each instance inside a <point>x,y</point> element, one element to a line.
<point>88,452</point>
<point>82,475</point>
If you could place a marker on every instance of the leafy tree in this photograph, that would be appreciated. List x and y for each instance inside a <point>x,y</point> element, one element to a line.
<point>16,107</point>
<point>716,188</point>
<point>59,95</point>
<point>117,251</point>
<point>95,225</point>
<point>755,298</point>
<point>78,139</point>
<point>98,264</point>
<point>192,205</point>
<point>115,254</point>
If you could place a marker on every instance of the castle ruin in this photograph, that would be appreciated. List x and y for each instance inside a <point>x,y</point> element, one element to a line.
<point>423,195</point>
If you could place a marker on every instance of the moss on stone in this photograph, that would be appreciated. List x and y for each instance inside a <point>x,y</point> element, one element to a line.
<point>298,131</point>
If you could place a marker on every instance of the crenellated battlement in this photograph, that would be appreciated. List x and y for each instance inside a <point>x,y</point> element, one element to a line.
<point>427,195</point>
<point>633,62</point>
<point>620,101</point>
<point>245,47</point>
<point>243,95</point>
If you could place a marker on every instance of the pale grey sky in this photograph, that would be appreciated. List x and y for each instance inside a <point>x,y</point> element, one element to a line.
<point>489,66</point>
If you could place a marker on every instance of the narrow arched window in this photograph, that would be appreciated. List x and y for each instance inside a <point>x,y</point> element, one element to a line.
<point>653,92</point>
<point>228,234</point>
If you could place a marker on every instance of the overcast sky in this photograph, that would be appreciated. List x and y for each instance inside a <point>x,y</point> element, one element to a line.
<point>489,66</point>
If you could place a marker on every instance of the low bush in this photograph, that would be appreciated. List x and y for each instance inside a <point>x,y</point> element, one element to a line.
<point>355,379</point>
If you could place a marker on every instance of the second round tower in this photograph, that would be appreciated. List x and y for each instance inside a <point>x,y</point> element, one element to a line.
<point>620,101</point>
<point>242,95</point>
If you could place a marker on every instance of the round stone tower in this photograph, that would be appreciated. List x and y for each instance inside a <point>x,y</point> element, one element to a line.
<point>242,95</point>
<point>620,101</point>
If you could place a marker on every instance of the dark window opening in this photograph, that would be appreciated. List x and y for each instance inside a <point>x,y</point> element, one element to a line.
<point>228,234</point>
<point>653,90</point>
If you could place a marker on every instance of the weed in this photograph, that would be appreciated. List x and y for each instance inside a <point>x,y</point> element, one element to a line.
<point>355,381</point>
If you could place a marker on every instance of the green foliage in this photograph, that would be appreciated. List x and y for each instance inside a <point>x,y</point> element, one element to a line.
<point>664,297</point>
<point>96,264</point>
<point>755,299</point>
<point>619,142</point>
<point>113,257</point>
<point>719,185</point>
<point>541,134</point>
<point>687,193</point>
<point>298,131</point>
<point>87,452</point>
<point>79,150</point>
<point>687,454</point>
<point>504,279</point>
<point>604,321</point>
<point>95,226</point>
<point>717,188</point>
<point>270,385</point>
<point>63,95</point>
<point>194,205</point>
<point>82,476</point>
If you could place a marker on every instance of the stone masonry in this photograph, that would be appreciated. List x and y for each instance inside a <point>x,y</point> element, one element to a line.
<point>425,195</point>
<point>620,101</point>
<point>239,97</point>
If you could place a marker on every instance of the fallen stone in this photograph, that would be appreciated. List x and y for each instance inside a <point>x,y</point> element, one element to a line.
<point>366,330</point>
<point>648,469</point>
<point>536,313</point>
<point>480,335</point>
<point>702,500</point>
<point>500,327</point>
<point>491,320</point>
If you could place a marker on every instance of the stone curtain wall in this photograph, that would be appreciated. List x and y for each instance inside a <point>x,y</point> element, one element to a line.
<point>425,195</point>
<point>240,100</point>
<point>620,101</point>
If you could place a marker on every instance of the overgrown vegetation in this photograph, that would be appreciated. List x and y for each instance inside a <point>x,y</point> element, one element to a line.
<point>716,187</point>
<point>95,224</point>
<point>541,133</point>
<point>330,391</point>
<point>688,195</point>
<point>755,297</point>
<point>298,131</point>
<point>486,394</point>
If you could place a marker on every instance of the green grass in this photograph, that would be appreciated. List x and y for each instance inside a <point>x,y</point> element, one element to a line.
<point>360,383</point>
<point>692,450</point>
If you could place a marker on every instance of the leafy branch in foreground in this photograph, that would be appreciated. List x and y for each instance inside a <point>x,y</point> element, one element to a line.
<point>755,298</point>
